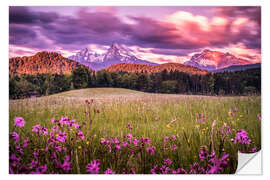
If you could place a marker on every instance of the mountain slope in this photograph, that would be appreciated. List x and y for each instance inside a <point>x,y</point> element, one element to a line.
<point>114,55</point>
<point>155,68</point>
<point>42,62</point>
<point>212,60</point>
<point>239,68</point>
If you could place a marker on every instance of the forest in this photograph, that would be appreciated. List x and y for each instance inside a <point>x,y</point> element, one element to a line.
<point>246,82</point>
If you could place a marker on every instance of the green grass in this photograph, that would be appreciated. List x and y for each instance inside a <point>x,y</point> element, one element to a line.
<point>149,114</point>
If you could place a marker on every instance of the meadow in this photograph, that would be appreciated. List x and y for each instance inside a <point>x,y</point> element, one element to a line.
<point>114,130</point>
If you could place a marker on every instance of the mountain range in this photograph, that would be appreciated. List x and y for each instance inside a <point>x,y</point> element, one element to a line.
<point>114,55</point>
<point>213,60</point>
<point>119,58</point>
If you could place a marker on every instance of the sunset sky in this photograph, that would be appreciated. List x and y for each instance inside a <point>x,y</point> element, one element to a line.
<point>157,34</point>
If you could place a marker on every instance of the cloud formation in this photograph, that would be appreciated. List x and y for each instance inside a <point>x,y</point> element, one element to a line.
<point>176,35</point>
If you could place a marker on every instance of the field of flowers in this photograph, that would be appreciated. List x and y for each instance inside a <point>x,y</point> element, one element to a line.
<point>118,131</point>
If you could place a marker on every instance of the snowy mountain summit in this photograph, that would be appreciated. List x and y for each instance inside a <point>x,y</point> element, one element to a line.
<point>212,60</point>
<point>114,55</point>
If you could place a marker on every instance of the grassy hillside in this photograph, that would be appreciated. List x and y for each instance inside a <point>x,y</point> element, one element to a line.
<point>155,116</point>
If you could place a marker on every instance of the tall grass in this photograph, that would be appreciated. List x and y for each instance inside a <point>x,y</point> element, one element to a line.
<point>150,115</point>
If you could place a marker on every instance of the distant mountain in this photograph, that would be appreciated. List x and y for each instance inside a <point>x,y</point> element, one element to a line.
<point>123,67</point>
<point>239,68</point>
<point>114,55</point>
<point>42,62</point>
<point>213,60</point>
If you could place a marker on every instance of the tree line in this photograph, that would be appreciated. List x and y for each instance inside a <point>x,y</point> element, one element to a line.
<point>224,83</point>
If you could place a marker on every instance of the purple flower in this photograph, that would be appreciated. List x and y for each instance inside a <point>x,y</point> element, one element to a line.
<point>218,164</point>
<point>242,137</point>
<point>109,171</point>
<point>129,136</point>
<point>173,147</point>
<point>66,165</point>
<point>179,171</point>
<point>26,141</point>
<point>36,128</point>
<point>61,136</point>
<point>19,122</point>
<point>174,138</point>
<point>164,169</point>
<point>93,167</point>
<point>80,134</point>
<point>64,121</point>
<point>15,136</point>
<point>76,125</point>
<point>253,150</point>
<point>55,128</point>
<point>151,150</point>
<point>153,170</point>
<point>135,142</point>
<point>203,154</point>
<point>124,143</point>
<point>33,163</point>
<point>58,148</point>
<point>167,161</point>
<point>145,140</point>
<point>118,146</point>
<point>225,129</point>
<point>166,139</point>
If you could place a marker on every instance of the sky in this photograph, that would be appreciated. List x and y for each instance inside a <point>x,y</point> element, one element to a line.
<point>157,34</point>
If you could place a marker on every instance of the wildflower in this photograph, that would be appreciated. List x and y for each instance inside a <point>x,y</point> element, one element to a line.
<point>203,154</point>
<point>135,142</point>
<point>76,125</point>
<point>242,137</point>
<point>225,129</point>
<point>87,142</point>
<point>19,122</point>
<point>151,150</point>
<point>173,147</point>
<point>153,170</point>
<point>26,141</point>
<point>253,150</point>
<point>167,161</point>
<point>61,136</point>
<point>15,136</point>
<point>235,108</point>
<point>118,146</point>
<point>124,143</point>
<point>129,136</point>
<point>64,121</point>
<point>164,169</point>
<point>93,167</point>
<point>128,126</point>
<point>174,138</point>
<point>55,128</point>
<point>80,134</point>
<point>58,148</point>
<point>168,126</point>
<point>241,115</point>
<point>166,139</point>
<point>66,165</point>
<point>146,140</point>
<point>36,128</point>
<point>109,171</point>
